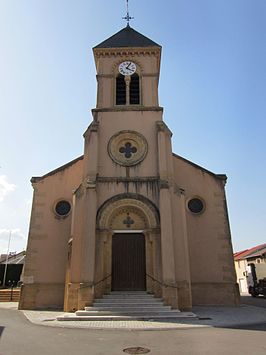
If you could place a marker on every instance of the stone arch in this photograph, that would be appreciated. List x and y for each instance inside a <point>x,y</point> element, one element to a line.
<point>113,213</point>
<point>110,222</point>
<point>125,89</point>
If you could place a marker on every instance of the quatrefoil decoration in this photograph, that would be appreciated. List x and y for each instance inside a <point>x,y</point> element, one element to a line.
<point>127,148</point>
<point>128,221</point>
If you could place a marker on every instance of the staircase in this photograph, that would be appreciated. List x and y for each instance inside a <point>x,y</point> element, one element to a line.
<point>8,295</point>
<point>135,305</point>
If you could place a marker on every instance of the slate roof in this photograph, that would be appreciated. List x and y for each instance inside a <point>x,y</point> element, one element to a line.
<point>127,37</point>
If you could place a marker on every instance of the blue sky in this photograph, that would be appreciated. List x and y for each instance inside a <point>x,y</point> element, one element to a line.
<point>212,88</point>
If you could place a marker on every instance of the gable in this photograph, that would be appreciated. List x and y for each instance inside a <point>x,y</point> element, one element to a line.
<point>198,167</point>
<point>55,171</point>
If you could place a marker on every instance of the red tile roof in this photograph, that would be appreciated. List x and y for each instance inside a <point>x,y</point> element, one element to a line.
<point>252,252</point>
<point>257,253</point>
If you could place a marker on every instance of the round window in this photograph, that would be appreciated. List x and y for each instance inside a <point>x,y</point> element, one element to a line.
<point>62,208</point>
<point>195,205</point>
<point>127,148</point>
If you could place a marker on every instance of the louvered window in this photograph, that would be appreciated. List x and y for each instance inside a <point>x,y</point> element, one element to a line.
<point>120,90</point>
<point>134,90</point>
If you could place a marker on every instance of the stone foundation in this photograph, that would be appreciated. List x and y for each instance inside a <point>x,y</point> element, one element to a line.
<point>226,294</point>
<point>42,296</point>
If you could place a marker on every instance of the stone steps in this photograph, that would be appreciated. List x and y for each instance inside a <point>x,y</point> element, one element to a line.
<point>128,297</point>
<point>127,306</point>
<point>127,293</point>
<point>128,300</point>
<point>128,312</point>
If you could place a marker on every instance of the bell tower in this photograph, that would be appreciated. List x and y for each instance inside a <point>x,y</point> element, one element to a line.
<point>128,183</point>
<point>128,66</point>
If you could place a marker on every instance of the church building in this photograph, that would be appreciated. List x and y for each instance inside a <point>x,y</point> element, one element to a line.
<point>129,214</point>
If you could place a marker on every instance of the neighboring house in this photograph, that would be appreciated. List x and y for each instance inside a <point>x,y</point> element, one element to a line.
<point>15,263</point>
<point>254,255</point>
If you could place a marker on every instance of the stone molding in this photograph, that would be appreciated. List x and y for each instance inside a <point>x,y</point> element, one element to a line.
<point>111,76</point>
<point>164,184</point>
<point>138,148</point>
<point>119,108</point>
<point>162,127</point>
<point>93,127</point>
<point>126,203</point>
<point>125,52</point>
<point>117,179</point>
<point>91,182</point>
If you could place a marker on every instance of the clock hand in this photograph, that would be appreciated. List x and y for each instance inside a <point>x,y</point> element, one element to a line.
<point>129,66</point>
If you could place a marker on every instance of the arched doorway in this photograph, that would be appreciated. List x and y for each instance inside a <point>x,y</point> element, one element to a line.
<point>128,244</point>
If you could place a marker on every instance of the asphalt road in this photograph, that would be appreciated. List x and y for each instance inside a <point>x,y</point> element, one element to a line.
<point>259,301</point>
<point>20,337</point>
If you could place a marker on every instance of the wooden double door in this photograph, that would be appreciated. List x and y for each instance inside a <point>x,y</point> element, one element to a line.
<point>128,262</point>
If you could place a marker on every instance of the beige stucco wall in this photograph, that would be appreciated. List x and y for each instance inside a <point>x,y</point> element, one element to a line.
<point>144,122</point>
<point>46,255</point>
<point>209,242</point>
<point>241,272</point>
<point>148,67</point>
<point>110,123</point>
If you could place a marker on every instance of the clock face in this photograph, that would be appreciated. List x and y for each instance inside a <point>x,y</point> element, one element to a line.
<point>127,68</point>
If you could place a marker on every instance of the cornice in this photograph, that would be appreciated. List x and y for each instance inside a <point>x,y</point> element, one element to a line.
<point>93,127</point>
<point>121,179</point>
<point>128,108</point>
<point>125,51</point>
<point>162,127</point>
<point>111,76</point>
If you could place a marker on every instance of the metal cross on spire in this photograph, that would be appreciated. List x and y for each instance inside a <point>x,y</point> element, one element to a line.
<point>127,17</point>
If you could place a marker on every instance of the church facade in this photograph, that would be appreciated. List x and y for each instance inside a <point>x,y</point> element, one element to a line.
<point>129,214</point>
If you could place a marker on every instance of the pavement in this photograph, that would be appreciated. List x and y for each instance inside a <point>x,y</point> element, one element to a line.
<point>207,316</point>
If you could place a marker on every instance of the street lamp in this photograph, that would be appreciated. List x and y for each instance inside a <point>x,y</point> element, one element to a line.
<point>7,254</point>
